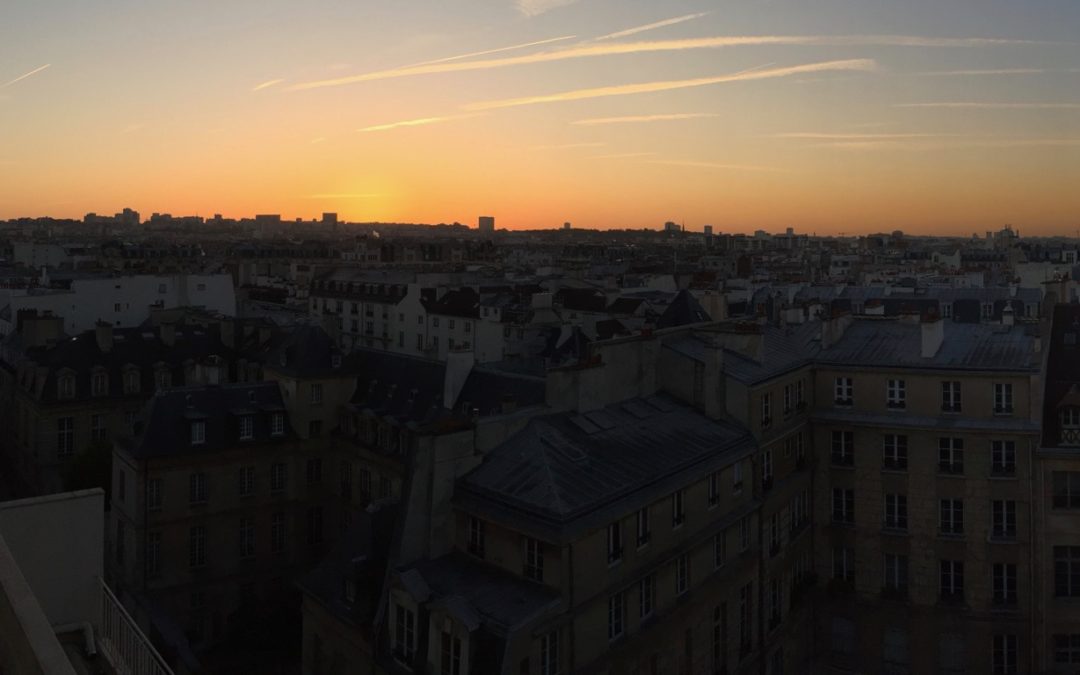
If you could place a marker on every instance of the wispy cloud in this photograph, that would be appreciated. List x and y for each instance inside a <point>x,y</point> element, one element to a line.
<point>668,85</point>
<point>267,84</point>
<point>622,155</point>
<point>712,165</point>
<point>345,195</point>
<point>538,7</point>
<point>22,77</point>
<point>567,146</point>
<point>992,105</point>
<point>422,121</point>
<point>923,145</point>
<point>619,48</point>
<point>978,72</point>
<point>819,136</point>
<point>497,50</point>
<point>651,26</point>
<point>633,119</point>
<point>318,139</point>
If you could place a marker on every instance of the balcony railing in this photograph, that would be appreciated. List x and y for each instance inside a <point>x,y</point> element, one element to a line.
<point>123,643</point>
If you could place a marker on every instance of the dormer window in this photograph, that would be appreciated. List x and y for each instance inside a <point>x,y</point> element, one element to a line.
<point>1070,425</point>
<point>350,591</point>
<point>162,379</point>
<point>247,428</point>
<point>198,432</point>
<point>131,381</point>
<point>65,386</point>
<point>99,383</point>
<point>277,424</point>
<point>335,361</point>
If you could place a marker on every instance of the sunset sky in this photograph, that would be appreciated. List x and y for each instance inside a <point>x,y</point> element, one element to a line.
<point>836,116</point>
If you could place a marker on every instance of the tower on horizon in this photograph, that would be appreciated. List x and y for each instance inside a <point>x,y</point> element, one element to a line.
<point>486,224</point>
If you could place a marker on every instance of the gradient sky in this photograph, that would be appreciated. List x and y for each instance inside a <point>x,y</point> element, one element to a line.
<point>834,116</point>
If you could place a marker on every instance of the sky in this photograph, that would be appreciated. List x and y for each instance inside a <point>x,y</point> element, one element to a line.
<point>930,116</point>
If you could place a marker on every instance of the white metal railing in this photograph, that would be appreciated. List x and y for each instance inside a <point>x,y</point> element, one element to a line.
<point>123,643</point>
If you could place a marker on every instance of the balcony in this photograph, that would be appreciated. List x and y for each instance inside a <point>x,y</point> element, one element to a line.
<point>953,408</point>
<point>892,464</point>
<point>123,644</point>
<point>951,468</point>
<point>896,405</point>
<point>614,556</point>
<point>843,459</point>
<point>1003,470</point>
<point>952,597</point>
<point>1003,410</point>
<point>899,593</point>
<point>843,402</point>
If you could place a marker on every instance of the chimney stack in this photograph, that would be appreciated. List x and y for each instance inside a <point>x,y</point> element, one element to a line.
<point>1008,315</point>
<point>104,333</point>
<point>933,335</point>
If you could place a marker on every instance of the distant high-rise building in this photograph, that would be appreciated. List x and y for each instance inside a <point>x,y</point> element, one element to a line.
<point>671,227</point>
<point>708,230</point>
<point>487,223</point>
<point>566,226</point>
<point>329,219</point>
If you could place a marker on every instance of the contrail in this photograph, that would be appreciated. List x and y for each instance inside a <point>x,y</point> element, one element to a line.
<point>35,71</point>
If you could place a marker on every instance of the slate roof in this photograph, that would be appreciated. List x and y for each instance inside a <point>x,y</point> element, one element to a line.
<point>166,420</point>
<point>305,350</point>
<point>503,601</point>
<point>568,472</point>
<point>967,346</point>
<point>785,349</point>
<point>463,302</point>
<point>683,310</point>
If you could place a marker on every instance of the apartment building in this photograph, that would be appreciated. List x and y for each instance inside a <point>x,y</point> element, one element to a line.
<point>215,504</point>
<point>923,435</point>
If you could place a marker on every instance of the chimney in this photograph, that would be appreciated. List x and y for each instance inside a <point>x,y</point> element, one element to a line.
<point>933,334</point>
<point>167,332</point>
<point>833,329</point>
<point>103,332</point>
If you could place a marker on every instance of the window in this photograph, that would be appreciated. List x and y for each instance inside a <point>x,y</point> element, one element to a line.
<point>746,628</point>
<point>800,395</point>
<point>776,598</point>
<point>643,533</point>
<point>615,617</point>
<point>197,488</point>
<point>614,543</point>
<point>475,542</point>
<point>121,485</point>
<point>951,455</point>
<point>314,428</point>
<point>99,384</point>
<point>800,510</point>
<point>247,481</point>
<point>952,580</point>
<point>646,596</point>
<point>714,488</point>
<point>277,424</point>
<point>277,477</point>
<point>744,533</point>
<point>549,654</point>
<point>842,636</point>
<point>153,494</point>
<point>677,513</point>
<point>1004,655</point>
<point>844,391</point>
<point>896,512</point>
<point>766,410</point>
<point>1066,489</point>
<point>951,655</point>
<point>1067,648</point>
<point>896,394</point>
<point>277,532</point>
<point>162,379</point>
<point>789,399</point>
<point>1003,398</point>
<point>950,397</point>
<point>1067,571</point>
<point>1070,426</point>
<point>534,560</point>
<point>404,634</point>
<point>247,537</point>
<point>719,549</point>
<point>894,651</point>
<point>65,436</point>
<point>952,516</point>
<point>895,452</point>
<point>774,534</point>
<point>316,393</point>
<point>197,546</point>
<point>198,432</point>
<point>314,470</point>
<point>365,484</point>
<point>120,542</point>
<point>1002,458</point>
<point>719,638</point>
<point>1004,584</point>
<point>843,448</point>
<point>1003,512</point>
<point>98,429</point>
<point>65,387</point>
<point>844,564</point>
<point>766,469</point>
<point>896,574</point>
<point>131,381</point>
<point>736,478</point>
<point>247,428</point>
<point>315,525</point>
<point>153,553</point>
<point>844,506</point>
<point>450,663</point>
<point>682,574</point>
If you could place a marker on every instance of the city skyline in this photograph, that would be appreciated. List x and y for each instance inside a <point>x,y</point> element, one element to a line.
<point>832,118</point>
